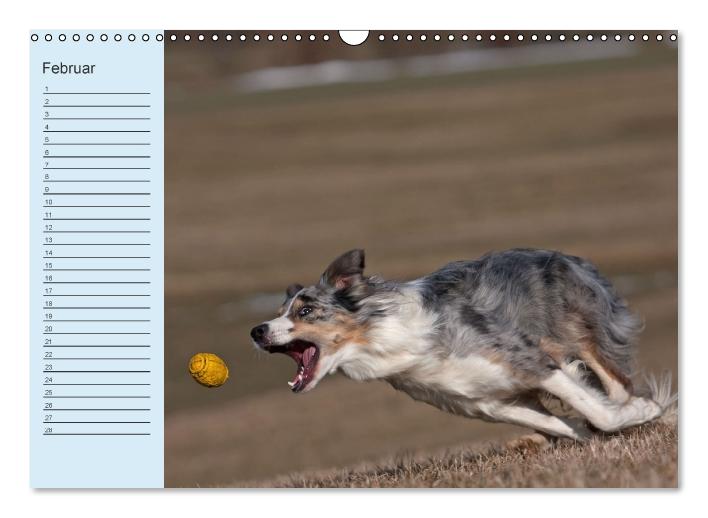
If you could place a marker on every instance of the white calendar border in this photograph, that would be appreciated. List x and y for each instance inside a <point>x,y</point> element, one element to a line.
<point>363,14</point>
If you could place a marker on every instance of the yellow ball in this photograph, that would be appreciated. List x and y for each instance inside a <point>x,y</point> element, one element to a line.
<point>208,369</point>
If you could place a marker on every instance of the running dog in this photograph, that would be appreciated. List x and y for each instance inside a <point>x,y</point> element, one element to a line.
<point>488,338</point>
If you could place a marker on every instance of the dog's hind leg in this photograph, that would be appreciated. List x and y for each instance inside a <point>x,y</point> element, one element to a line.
<point>616,384</point>
<point>604,414</point>
<point>530,414</point>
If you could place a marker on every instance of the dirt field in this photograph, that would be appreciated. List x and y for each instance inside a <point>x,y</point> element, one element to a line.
<point>263,190</point>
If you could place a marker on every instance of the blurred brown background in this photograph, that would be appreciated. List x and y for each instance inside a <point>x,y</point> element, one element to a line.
<point>282,154</point>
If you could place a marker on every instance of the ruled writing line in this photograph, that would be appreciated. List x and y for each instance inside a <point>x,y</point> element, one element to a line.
<point>98,295</point>
<point>96,106</point>
<point>96,118</point>
<point>94,168</point>
<point>94,371</point>
<point>96,422</point>
<point>96,270</point>
<point>96,307</point>
<point>111,333</point>
<point>85,433</point>
<point>93,346</point>
<point>119,358</point>
<point>95,93</point>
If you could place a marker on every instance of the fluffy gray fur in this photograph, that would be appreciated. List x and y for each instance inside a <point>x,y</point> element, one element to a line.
<point>508,301</point>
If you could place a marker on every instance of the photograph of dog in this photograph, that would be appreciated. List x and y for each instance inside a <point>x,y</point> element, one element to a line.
<point>516,324</point>
<point>475,338</point>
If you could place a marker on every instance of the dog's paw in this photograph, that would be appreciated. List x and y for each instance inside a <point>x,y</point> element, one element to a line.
<point>530,442</point>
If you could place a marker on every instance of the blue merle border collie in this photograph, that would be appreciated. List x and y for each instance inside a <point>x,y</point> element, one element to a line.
<point>488,338</point>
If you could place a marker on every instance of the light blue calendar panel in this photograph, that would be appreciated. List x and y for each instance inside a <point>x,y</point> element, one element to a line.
<point>96,352</point>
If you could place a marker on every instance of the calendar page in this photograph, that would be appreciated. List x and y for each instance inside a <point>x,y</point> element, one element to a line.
<point>342,259</point>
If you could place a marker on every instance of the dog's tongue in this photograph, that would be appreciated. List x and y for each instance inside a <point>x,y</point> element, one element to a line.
<point>307,356</point>
<point>305,361</point>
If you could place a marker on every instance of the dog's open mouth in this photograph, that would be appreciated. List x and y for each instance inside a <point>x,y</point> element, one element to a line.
<point>305,355</point>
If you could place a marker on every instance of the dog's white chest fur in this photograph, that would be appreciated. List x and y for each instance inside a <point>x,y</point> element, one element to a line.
<point>403,352</point>
<point>454,384</point>
<point>469,376</point>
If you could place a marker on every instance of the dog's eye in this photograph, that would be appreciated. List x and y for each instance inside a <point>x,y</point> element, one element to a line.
<point>304,311</point>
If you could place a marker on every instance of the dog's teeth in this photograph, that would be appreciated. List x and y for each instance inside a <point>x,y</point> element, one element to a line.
<point>291,384</point>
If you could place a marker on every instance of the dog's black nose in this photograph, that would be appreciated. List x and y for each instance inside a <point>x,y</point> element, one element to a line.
<point>258,332</point>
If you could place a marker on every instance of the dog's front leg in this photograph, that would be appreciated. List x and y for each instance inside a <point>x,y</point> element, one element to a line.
<point>524,412</point>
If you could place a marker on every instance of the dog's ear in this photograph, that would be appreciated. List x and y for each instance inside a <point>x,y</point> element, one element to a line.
<point>292,290</point>
<point>345,271</point>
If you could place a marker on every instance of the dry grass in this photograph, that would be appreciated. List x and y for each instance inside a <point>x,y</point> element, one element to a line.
<point>645,456</point>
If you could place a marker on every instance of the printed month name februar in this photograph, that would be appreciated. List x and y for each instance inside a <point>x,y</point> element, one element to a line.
<point>63,68</point>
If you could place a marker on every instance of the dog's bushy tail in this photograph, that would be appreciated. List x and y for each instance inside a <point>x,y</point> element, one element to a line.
<point>660,391</point>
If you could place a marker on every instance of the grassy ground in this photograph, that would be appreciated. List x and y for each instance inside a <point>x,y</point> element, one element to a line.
<point>645,456</point>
